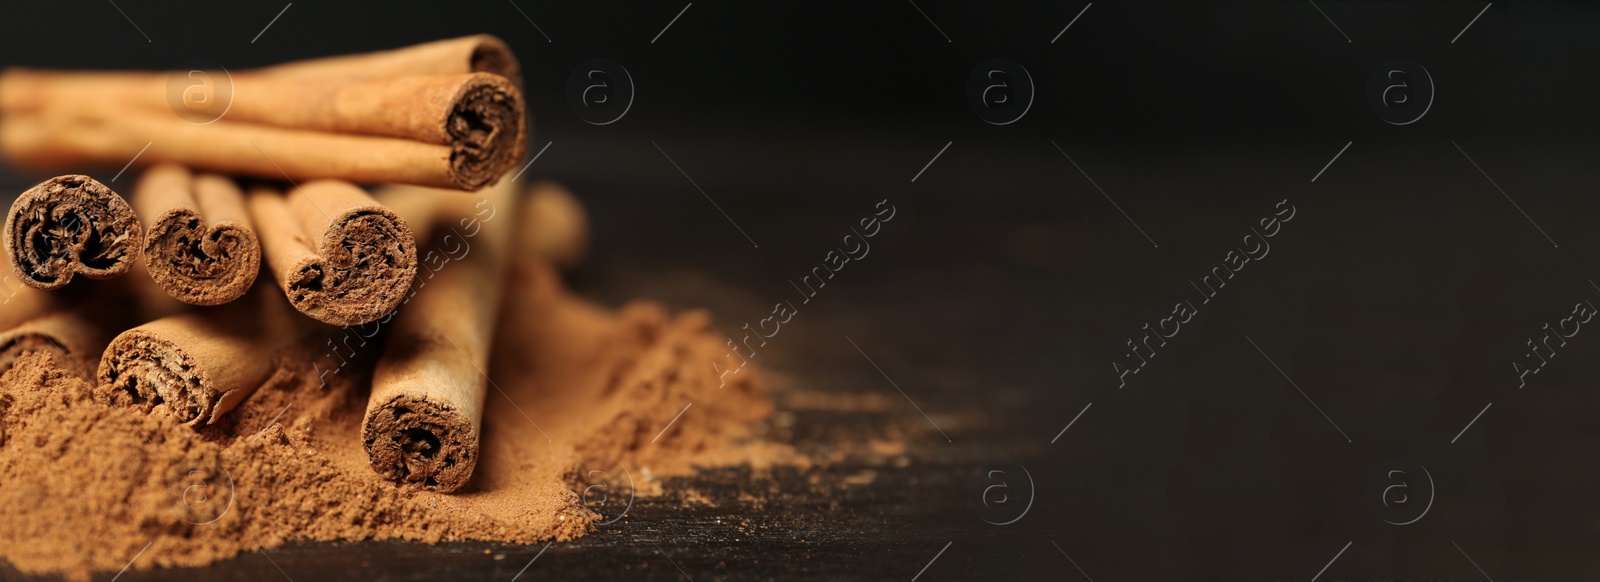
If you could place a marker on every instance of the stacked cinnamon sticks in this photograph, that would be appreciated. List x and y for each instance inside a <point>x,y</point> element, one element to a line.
<point>185,328</point>
<point>447,114</point>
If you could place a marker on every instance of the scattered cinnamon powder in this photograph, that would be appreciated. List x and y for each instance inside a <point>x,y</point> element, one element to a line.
<point>85,487</point>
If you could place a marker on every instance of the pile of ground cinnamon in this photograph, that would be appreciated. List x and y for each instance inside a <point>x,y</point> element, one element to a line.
<point>85,487</point>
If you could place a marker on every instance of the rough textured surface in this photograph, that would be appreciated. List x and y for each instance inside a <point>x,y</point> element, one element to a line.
<point>339,256</point>
<point>414,440</point>
<point>86,487</point>
<point>197,366</point>
<point>67,225</point>
<point>485,128</point>
<point>73,334</point>
<point>200,247</point>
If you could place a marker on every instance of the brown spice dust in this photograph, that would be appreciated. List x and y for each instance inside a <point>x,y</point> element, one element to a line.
<point>84,487</point>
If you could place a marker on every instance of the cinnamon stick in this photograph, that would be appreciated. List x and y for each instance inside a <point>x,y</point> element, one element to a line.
<point>425,413</point>
<point>200,247</point>
<point>67,225</point>
<point>554,224</point>
<point>481,117</point>
<point>19,302</point>
<point>467,54</point>
<point>338,255</point>
<point>73,335</point>
<point>197,366</point>
<point>25,90</point>
<point>77,321</point>
<point>52,142</point>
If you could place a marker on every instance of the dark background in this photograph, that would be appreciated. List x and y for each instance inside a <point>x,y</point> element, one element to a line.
<point>1397,299</point>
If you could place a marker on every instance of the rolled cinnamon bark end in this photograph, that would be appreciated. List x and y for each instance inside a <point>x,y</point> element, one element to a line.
<point>74,337</point>
<point>486,130</point>
<point>194,367</point>
<point>68,225</point>
<point>148,371</point>
<point>339,256</point>
<point>200,248</point>
<point>415,440</point>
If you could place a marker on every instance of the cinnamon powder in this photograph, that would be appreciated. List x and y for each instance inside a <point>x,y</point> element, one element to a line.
<point>85,487</point>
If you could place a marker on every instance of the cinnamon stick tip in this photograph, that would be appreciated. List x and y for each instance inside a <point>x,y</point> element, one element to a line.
<point>415,440</point>
<point>488,128</point>
<point>365,262</point>
<point>71,224</point>
<point>201,264</point>
<point>144,370</point>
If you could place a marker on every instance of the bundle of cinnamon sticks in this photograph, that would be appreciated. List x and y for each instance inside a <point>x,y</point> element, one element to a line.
<point>448,114</point>
<point>175,319</point>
